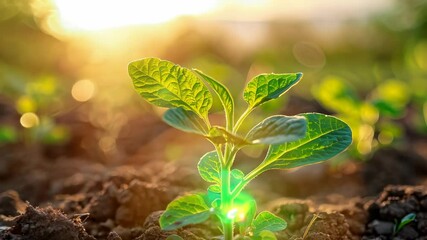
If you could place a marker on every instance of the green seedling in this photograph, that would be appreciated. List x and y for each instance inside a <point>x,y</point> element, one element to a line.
<point>403,222</point>
<point>372,119</point>
<point>292,141</point>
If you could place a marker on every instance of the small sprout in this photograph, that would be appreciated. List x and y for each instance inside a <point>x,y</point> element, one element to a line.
<point>293,141</point>
<point>403,222</point>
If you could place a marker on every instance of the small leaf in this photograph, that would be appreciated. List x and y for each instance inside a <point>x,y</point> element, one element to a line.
<point>174,237</point>
<point>209,167</point>
<point>236,177</point>
<point>185,121</point>
<point>223,94</point>
<point>265,235</point>
<point>278,129</point>
<point>266,87</point>
<point>214,193</point>
<point>326,137</point>
<point>185,210</point>
<point>268,221</point>
<point>220,135</point>
<point>165,84</point>
<point>405,221</point>
<point>251,208</point>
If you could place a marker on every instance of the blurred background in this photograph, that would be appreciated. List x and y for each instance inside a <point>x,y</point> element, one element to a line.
<point>65,91</point>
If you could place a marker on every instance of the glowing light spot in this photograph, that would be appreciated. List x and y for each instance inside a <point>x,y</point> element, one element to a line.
<point>83,90</point>
<point>26,104</point>
<point>366,134</point>
<point>241,217</point>
<point>309,54</point>
<point>385,137</point>
<point>29,120</point>
<point>232,213</point>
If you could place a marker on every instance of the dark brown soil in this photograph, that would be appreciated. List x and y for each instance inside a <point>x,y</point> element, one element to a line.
<point>46,223</point>
<point>77,198</point>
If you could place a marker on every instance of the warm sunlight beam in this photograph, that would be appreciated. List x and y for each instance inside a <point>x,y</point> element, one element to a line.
<point>92,15</point>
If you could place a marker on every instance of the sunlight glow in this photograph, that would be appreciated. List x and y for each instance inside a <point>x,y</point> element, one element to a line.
<point>232,213</point>
<point>103,14</point>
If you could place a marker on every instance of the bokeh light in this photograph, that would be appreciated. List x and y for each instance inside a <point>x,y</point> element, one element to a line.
<point>83,90</point>
<point>29,120</point>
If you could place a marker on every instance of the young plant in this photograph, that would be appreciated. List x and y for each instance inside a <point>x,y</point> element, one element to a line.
<point>403,222</point>
<point>293,141</point>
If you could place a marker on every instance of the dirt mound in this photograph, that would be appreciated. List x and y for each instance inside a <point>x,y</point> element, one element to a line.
<point>48,224</point>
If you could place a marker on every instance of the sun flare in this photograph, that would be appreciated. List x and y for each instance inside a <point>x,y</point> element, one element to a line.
<point>95,15</point>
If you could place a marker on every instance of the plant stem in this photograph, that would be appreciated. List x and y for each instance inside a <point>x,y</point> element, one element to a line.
<point>226,198</point>
<point>241,119</point>
<point>226,202</point>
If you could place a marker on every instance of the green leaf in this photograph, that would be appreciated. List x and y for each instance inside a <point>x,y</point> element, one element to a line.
<point>220,135</point>
<point>165,84</point>
<point>251,208</point>
<point>326,137</point>
<point>236,177</point>
<point>268,221</point>
<point>265,87</point>
<point>185,121</point>
<point>265,235</point>
<point>405,221</point>
<point>185,210</point>
<point>224,96</point>
<point>209,167</point>
<point>214,193</point>
<point>174,237</point>
<point>278,129</point>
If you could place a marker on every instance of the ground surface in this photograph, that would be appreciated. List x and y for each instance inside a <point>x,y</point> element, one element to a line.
<point>72,193</point>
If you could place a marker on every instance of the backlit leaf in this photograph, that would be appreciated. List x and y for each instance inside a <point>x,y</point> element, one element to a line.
<point>185,210</point>
<point>165,84</point>
<point>268,221</point>
<point>223,94</point>
<point>185,121</point>
<point>278,129</point>
<point>209,167</point>
<point>326,137</point>
<point>266,87</point>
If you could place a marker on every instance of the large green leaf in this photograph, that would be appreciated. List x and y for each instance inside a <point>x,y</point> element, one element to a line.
<point>266,87</point>
<point>210,167</point>
<point>223,94</point>
<point>185,121</point>
<point>278,129</point>
<point>165,84</point>
<point>268,221</point>
<point>185,210</point>
<point>326,137</point>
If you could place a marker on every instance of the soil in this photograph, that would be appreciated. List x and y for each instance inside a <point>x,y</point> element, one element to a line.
<point>80,194</point>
